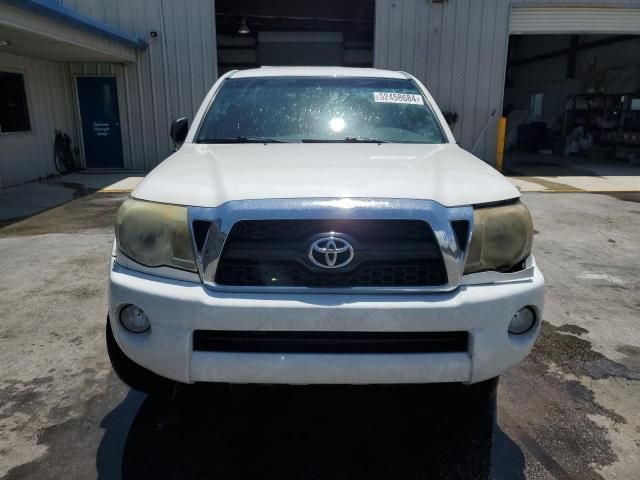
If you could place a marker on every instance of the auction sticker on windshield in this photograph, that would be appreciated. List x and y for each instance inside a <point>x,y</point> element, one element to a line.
<point>391,97</point>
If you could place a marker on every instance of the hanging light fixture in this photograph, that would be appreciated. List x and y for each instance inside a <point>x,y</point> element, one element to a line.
<point>243,29</point>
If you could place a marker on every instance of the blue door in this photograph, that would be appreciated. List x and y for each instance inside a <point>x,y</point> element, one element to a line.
<point>98,99</point>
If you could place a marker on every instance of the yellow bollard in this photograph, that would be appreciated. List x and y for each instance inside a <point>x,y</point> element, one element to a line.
<point>502,130</point>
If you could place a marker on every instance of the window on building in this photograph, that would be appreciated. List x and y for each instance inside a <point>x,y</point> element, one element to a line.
<point>14,114</point>
<point>535,104</point>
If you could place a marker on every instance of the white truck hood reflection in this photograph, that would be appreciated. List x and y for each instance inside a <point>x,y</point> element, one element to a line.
<point>210,175</point>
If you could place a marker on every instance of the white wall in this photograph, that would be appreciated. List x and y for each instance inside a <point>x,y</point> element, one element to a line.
<point>29,155</point>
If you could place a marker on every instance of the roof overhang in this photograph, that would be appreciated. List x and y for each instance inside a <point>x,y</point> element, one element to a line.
<point>46,29</point>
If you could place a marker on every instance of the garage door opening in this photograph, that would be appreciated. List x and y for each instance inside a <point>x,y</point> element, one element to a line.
<point>253,33</point>
<point>572,90</point>
<point>572,103</point>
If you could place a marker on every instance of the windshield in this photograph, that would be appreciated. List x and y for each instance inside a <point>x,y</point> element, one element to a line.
<point>319,109</point>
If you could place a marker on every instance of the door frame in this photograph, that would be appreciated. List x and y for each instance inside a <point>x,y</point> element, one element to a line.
<point>83,158</point>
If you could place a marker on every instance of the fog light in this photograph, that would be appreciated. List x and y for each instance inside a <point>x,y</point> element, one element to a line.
<point>522,321</point>
<point>134,319</point>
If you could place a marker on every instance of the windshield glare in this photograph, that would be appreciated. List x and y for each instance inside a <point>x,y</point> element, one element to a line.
<point>319,109</point>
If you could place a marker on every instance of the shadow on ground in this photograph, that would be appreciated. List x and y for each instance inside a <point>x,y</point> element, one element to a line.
<point>533,164</point>
<point>309,432</point>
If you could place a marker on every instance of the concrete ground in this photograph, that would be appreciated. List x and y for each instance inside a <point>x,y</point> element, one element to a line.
<point>570,410</point>
<point>27,199</point>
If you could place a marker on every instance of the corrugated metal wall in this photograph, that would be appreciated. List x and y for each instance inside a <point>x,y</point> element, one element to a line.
<point>170,78</point>
<point>458,49</point>
<point>28,155</point>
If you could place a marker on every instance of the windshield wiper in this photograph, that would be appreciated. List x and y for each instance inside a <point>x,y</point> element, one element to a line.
<point>240,139</point>
<point>348,139</point>
<point>363,140</point>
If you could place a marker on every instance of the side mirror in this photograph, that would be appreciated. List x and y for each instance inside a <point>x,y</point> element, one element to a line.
<point>179,130</point>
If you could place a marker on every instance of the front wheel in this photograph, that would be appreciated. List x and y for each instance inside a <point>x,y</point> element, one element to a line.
<point>135,376</point>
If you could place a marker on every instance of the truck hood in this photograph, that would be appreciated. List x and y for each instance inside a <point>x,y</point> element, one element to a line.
<point>210,175</point>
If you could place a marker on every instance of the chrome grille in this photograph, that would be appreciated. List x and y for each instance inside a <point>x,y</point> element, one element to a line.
<point>211,228</point>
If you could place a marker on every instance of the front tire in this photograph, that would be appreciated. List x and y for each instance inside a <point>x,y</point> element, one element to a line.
<point>132,374</point>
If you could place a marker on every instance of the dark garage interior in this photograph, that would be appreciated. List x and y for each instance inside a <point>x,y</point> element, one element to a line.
<point>252,33</point>
<point>572,104</point>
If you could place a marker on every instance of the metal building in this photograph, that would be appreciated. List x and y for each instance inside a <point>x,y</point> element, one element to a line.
<point>113,73</point>
<point>155,58</point>
<point>459,48</point>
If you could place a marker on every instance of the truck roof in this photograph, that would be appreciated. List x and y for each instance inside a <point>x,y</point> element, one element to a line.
<point>317,72</point>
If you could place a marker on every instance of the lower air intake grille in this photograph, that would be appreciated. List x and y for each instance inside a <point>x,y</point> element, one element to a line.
<point>329,342</point>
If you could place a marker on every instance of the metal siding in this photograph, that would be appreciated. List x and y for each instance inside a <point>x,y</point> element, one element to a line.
<point>169,79</point>
<point>29,155</point>
<point>458,50</point>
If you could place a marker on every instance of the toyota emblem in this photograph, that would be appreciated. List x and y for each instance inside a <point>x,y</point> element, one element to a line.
<point>331,252</point>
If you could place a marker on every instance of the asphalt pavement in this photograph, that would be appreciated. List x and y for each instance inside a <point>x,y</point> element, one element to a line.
<point>570,410</point>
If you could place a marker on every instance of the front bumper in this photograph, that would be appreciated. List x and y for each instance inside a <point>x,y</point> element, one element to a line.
<point>177,308</point>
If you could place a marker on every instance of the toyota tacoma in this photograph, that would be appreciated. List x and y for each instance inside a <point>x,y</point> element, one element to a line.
<point>321,226</point>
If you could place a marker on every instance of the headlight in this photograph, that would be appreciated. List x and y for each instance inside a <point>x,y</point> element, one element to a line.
<point>155,234</point>
<point>501,238</point>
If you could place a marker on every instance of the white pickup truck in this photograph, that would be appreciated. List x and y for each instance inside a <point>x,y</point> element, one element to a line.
<point>321,226</point>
